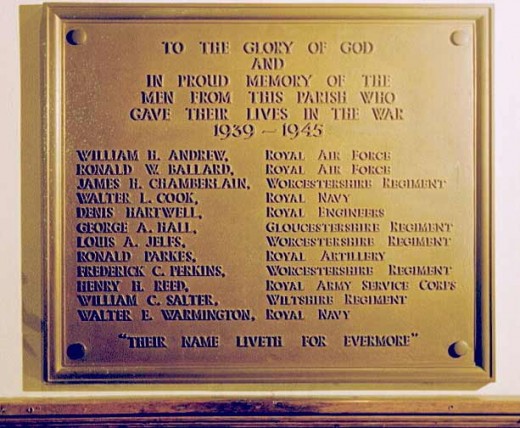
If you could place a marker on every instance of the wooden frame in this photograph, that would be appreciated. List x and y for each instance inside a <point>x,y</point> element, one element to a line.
<point>358,412</point>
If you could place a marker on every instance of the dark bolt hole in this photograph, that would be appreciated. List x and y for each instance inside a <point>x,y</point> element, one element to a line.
<point>76,351</point>
<point>76,37</point>
<point>451,351</point>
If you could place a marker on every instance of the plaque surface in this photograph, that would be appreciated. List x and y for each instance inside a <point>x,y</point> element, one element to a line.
<point>268,194</point>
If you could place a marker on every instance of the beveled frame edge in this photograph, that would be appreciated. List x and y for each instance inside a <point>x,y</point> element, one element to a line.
<point>480,15</point>
<point>333,11</point>
<point>485,254</point>
<point>346,412</point>
<point>51,178</point>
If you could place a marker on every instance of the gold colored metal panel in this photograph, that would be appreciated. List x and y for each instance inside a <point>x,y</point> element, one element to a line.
<point>268,194</point>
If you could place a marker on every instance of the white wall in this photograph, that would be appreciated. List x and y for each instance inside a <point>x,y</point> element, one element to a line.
<point>507,208</point>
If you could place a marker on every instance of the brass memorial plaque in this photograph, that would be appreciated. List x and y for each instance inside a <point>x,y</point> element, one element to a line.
<point>268,194</point>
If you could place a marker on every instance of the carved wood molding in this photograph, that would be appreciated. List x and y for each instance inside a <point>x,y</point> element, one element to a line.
<point>391,412</point>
